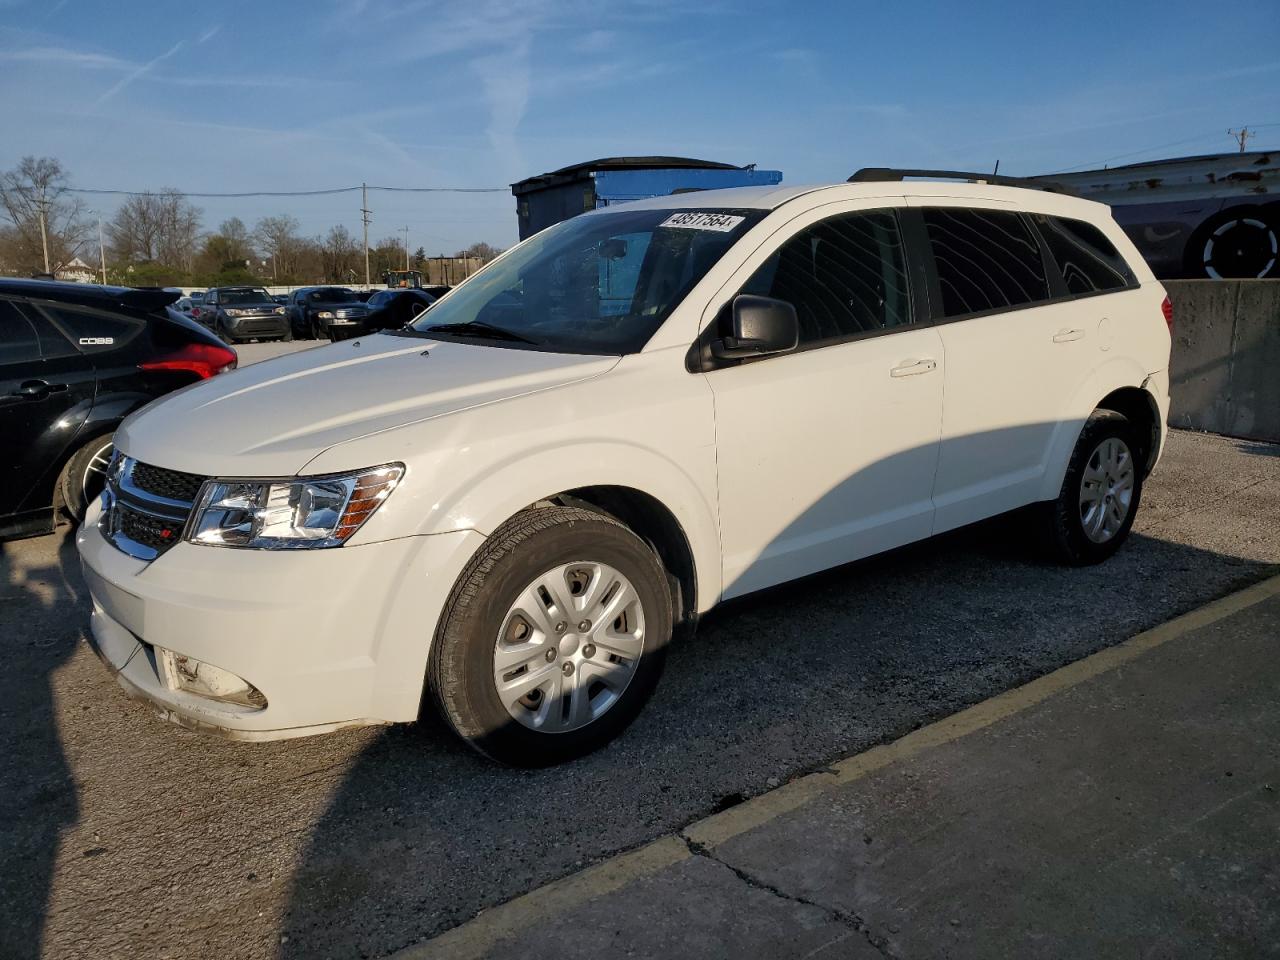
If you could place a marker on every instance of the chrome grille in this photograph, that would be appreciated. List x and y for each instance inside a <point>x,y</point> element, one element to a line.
<point>146,507</point>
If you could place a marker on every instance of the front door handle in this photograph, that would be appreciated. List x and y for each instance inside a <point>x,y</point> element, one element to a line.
<point>38,389</point>
<point>913,368</point>
<point>1066,336</point>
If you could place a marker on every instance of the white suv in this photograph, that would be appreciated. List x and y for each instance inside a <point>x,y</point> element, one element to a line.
<point>512,504</point>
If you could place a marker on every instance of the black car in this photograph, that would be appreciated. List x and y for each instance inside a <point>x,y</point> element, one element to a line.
<point>394,308</point>
<point>334,313</point>
<point>75,360</point>
<point>238,314</point>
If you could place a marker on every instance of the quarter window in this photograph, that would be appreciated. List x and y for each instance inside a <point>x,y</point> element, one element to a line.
<point>1088,261</point>
<point>845,276</point>
<point>986,260</point>
<point>94,332</point>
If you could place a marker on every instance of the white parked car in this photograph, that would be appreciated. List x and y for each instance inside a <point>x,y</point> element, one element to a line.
<point>510,506</point>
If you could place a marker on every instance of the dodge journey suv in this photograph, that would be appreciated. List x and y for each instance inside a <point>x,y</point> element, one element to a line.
<point>507,508</point>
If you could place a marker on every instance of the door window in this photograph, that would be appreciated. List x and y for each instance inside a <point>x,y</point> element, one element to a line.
<point>986,260</point>
<point>845,276</point>
<point>1088,261</point>
<point>18,343</point>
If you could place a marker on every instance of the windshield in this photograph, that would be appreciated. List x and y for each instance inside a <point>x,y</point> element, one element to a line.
<point>381,297</point>
<point>596,284</point>
<point>332,295</point>
<point>245,296</point>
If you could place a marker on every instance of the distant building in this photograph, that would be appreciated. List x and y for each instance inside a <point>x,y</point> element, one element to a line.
<point>77,271</point>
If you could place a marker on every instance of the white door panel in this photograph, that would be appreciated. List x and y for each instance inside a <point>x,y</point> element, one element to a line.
<point>826,455</point>
<point>1010,380</point>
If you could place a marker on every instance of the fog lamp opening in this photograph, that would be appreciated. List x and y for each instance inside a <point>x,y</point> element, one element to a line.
<point>180,672</point>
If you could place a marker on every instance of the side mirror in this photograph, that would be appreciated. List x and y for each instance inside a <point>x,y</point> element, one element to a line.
<point>761,326</point>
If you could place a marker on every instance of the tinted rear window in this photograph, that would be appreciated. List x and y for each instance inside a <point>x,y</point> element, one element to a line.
<point>986,260</point>
<point>1088,261</point>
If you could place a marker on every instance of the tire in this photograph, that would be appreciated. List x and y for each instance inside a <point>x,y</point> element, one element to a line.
<point>1079,533</point>
<point>288,336</point>
<point>572,550</point>
<point>1242,243</point>
<point>84,476</point>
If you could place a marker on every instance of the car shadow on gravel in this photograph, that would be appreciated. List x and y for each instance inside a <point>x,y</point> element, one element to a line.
<point>423,832</point>
<point>38,801</point>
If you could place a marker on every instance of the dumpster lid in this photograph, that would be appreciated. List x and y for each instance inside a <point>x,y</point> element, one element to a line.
<point>578,171</point>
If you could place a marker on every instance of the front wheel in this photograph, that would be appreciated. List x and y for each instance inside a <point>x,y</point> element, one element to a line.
<point>85,475</point>
<point>1100,493</point>
<point>554,637</point>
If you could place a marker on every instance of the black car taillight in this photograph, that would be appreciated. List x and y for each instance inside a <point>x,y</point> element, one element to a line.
<point>202,359</point>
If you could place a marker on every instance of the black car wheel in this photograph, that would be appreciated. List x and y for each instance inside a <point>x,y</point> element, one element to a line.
<point>85,475</point>
<point>1239,244</point>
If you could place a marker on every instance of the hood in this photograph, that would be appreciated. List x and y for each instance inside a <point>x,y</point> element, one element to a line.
<point>272,418</point>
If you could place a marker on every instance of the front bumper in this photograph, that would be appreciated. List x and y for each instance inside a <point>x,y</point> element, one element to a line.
<point>269,325</point>
<point>331,638</point>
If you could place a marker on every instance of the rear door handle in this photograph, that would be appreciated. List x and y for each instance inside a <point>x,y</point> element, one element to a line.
<point>913,368</point>
<point>1066,336</point>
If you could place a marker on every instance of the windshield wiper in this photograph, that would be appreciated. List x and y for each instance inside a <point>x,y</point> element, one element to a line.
<point>478,328</point>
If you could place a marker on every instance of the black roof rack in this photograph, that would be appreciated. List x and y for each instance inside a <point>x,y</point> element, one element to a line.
<point>893,174</point>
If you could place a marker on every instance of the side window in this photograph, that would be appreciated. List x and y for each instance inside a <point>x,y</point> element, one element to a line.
<point>211,298</point>
<point>845,276</point>
<point>1088,261</point>
<point>53,343</point>
<point>18,343</point>
<point>986,260</point>
<point>94,332</point>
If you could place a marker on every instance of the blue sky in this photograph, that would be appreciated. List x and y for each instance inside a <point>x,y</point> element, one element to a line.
<point>240,96</point>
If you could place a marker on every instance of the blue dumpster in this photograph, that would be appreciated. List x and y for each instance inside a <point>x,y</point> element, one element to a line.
<point>551,197</point>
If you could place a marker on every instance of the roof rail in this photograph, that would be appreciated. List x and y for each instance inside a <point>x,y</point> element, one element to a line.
<point>893,174</point>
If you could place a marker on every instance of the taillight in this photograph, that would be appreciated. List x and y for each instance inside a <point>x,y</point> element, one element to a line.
<point>1167,307</point>
<point>202,359</point>
<point>195,311</point>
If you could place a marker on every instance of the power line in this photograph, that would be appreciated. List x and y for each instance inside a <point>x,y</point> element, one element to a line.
<point>290,193</point>
<point>1158,146</point>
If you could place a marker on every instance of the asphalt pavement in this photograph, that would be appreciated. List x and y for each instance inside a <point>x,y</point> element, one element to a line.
<point>140,839</point>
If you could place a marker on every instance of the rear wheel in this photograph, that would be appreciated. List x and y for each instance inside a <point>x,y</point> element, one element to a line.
<point>85,475</point>
<point>1100,493</point>
<point>554,637</point>
<point>1243,243</point>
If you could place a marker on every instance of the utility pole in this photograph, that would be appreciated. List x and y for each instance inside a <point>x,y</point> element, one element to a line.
<point>364,215</point>
<point>405,231</point>
<point>102,251</point>
<point>1241,136</point>
<point>44,237</point>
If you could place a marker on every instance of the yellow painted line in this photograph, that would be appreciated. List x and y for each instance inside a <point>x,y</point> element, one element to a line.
<point>475,938</point>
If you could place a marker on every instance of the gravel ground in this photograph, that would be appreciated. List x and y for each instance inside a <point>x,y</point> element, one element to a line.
<point>139,839</point>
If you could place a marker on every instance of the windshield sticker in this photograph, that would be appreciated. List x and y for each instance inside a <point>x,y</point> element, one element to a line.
<point>693,220</point>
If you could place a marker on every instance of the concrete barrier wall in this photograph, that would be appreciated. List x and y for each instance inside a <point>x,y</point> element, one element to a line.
<point>1225,369</point>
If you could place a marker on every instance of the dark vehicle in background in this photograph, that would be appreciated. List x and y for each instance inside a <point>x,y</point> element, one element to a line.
<point>332,313</point>
<point>238,314</point>
<point>1208,217</point>
<point>189,305</point>
<point>75,360</point>
<point>280,298</point>
<point>392,309</point>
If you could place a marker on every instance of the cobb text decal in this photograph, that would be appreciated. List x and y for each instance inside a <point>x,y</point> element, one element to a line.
<point>97,341</point>
<point>693,220</point>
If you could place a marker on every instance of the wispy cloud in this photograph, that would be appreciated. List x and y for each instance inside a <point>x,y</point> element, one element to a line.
<point>62,56</point>
<point>209,34</point>
<point>138,72</point>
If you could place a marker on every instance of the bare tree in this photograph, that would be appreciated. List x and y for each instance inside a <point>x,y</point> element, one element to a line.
<point>45,221</point>
<point>161,228</point>
<point>278,239</point>
<point>341,251</point>
<point>480,251</point>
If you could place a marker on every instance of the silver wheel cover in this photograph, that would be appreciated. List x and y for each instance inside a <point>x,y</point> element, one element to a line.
<point>1106,490</point>
<point>568,647</point>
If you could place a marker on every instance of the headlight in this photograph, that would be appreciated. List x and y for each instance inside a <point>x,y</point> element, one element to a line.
<point>279,310</point>
<point>290,514</point>
<point>232,312</point>
<point>325,314</point>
